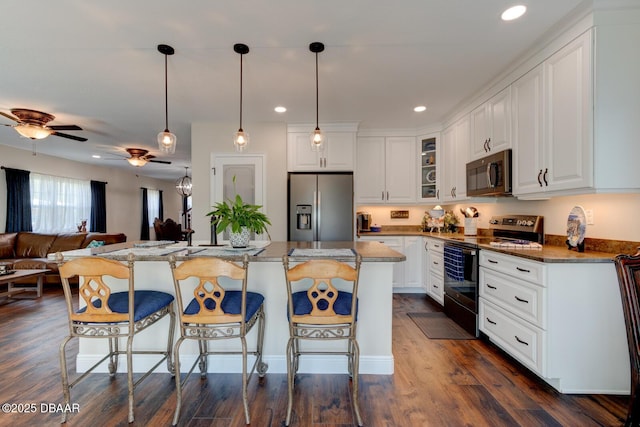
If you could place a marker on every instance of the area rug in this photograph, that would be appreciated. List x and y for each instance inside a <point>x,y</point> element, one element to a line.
<point>438,326</point>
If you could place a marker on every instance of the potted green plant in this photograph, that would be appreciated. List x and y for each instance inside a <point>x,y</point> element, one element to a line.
<point>242,218</point>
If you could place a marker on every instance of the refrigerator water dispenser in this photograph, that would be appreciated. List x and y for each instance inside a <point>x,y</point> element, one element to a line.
<point>303,214</point>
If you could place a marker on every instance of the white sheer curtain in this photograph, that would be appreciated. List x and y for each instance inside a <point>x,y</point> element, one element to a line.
<point>59,204</point>
<point>153,205</point>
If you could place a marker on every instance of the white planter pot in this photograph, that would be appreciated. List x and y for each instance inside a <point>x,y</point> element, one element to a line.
<point>241,239</point>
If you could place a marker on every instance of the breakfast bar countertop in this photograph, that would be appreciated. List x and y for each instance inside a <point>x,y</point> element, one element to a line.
<point>266,251</point>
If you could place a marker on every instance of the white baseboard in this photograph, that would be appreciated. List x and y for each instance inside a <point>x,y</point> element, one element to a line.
<point>311,364</point>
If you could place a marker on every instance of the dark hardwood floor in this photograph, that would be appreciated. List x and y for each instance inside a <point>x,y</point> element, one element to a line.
<point>436,383</point>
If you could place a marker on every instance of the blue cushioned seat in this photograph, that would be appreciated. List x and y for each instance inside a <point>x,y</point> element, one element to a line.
<point>342,305</point>
<point>144,303</point>
<point>231,304</point>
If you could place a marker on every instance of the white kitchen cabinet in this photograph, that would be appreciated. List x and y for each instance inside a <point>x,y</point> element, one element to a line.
<point>407,275</point>
<point>338,152</point>
<point>434,269</point>
<point>386,170</point>
<point>561,320</point>
<point>552,123</point>
<point>491,125</point>
<point>455,145</point>
<point>429,153</point>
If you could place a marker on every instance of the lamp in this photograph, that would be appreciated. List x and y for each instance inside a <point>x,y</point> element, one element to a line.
<point>33,131</point>
<point>137,161</point>
<point>317,137</point>
<point>241,138</point>
<point>166,140</point>
<point>184,185</point>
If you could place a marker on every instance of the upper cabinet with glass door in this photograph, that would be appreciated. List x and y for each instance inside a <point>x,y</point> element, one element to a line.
<point>428,168</point>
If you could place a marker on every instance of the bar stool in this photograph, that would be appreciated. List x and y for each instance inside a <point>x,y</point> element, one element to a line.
<point>112,315</point>
<point>217,313</point>
<point>628,270</point>
<point>318,311</point>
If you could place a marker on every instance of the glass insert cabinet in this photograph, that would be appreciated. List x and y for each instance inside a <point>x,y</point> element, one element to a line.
<point>428,168</point>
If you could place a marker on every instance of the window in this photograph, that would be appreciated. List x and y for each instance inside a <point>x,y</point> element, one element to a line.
<point>59,204</point>
<point>153,205</point>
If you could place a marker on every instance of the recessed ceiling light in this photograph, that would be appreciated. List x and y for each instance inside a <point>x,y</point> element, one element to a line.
<point>513,12</point>
<point>96,156</point>
<point>419,108</point>
<point>280,109</point>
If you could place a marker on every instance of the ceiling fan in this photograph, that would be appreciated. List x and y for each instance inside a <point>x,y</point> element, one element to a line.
<point>140,157</point>
<point>33,124</point>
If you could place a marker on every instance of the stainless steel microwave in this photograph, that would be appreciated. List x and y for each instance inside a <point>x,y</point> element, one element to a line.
<point>490,176</point>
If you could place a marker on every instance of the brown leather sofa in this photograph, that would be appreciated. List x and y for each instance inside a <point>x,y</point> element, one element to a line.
<point>26,250</point>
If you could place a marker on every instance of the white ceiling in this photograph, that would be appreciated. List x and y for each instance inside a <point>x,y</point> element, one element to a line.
<point>95,64</point>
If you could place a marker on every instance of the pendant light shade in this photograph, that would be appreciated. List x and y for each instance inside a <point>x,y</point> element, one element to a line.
<point>184,184</point>
<point>241,138</point>
<point>166,140</point>
<point>317,138</point>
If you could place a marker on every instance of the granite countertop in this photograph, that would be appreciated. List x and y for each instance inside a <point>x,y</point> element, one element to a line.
<point>267,251</point>
<point>550,253</point>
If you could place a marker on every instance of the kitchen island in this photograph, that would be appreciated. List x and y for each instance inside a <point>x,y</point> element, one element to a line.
<point>265,275</point>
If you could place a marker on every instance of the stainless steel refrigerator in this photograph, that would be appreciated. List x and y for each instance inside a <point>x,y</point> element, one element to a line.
<point>320,206</point>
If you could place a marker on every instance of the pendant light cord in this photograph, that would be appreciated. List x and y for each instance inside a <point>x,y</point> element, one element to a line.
<point>166,96</point>
<point>241,55</point>
<point>317,90</point>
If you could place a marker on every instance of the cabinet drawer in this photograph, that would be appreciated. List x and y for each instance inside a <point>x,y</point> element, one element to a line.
<point>521,298</point>
<point>436,287</point>
<point>522,341</point>
<point>435,245</point>
<point>514,266</point>
<point>436,262</point>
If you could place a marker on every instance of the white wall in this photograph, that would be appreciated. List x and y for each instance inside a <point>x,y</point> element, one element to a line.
<point>124,200</point>
<point>268,139</point>
<point>615,215</point>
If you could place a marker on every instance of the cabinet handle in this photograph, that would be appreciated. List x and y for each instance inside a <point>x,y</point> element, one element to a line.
<point>382,197</point>
<point>539,177</point>
<point>520,341</point>
<point>489,144</point>
<point>491,321</point>
<point>387,195</point>
<point>437,193</point>
<point>491,287</point>
<point>435,263</point>
<point>485,146</point>
<point>544,177</point>
<point>492,261</point>
<point>524,270</point>
<point>521,300</point>
<point>435,286</point>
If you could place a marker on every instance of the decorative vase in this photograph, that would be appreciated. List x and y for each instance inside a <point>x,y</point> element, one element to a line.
<point>241,239</point>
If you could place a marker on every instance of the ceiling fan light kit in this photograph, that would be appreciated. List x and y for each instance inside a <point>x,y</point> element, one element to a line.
<point>140,157</point>
<point>241,138</point>
<point>166,139</point>
<point>32,124</point>
<point>317,138</point>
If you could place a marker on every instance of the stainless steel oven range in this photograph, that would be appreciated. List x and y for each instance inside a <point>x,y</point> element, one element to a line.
<point>461,256</point>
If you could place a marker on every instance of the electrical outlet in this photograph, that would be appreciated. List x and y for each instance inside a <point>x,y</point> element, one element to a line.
<point>589,214</point>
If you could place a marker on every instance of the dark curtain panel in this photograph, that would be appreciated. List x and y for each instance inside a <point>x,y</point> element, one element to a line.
<point>160,206</point>
<point>18,200</point>
<point>144,230</point>
<point>98,220</point>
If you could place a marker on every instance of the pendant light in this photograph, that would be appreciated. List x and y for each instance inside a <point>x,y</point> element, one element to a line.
<point>241,138</point>
<point>317,138</point>
<point>184,185</point>
<point>166,140</point>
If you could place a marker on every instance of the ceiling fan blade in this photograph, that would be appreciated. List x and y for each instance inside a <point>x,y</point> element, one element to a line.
<point>64,127</point>
<point>65,135</point>
<point>9,116</point>
<point>160,161</point>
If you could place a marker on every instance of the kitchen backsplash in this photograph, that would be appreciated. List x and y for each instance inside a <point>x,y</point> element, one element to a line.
<point>615,215</point>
